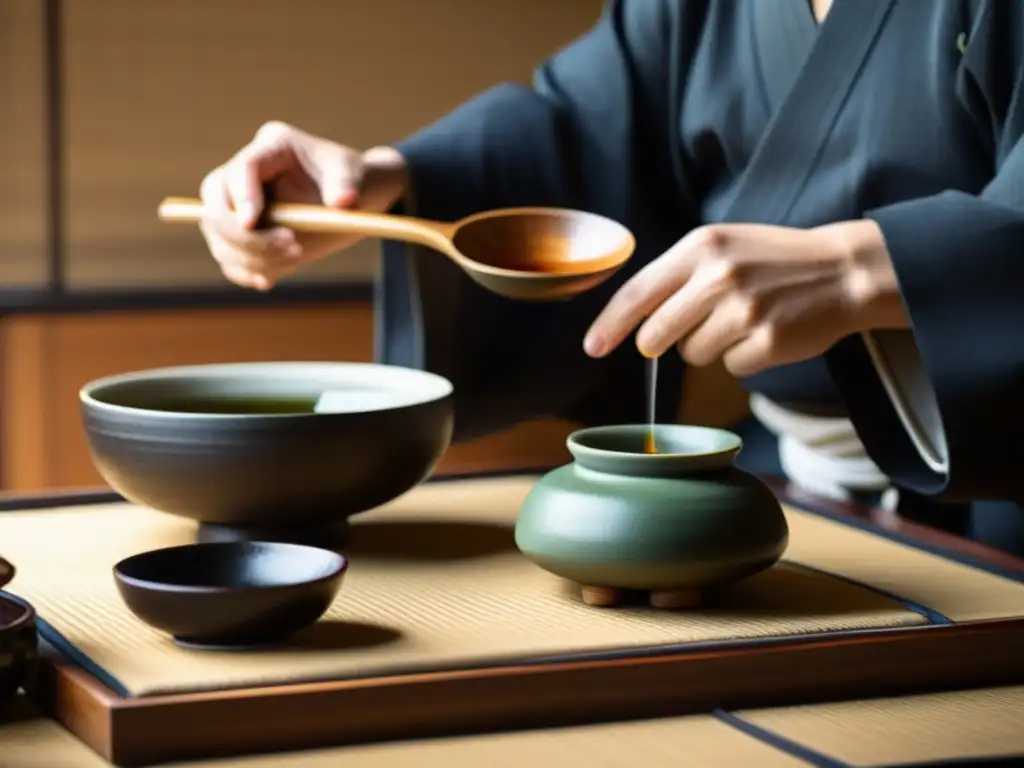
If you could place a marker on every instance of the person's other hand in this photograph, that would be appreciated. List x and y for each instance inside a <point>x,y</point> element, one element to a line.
<point>755,296</point>
<point>301,168</point>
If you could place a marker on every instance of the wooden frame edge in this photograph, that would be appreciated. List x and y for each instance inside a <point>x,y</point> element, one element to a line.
<point>858,664</point>
<point>148,730</point>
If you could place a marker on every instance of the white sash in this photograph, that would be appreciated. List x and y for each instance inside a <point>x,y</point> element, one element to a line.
<point>822,455</point>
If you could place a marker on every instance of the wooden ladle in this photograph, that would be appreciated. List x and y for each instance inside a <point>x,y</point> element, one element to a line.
<point>535,254</point>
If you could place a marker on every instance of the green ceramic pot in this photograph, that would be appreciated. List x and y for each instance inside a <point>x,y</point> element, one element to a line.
<point>682,519</point>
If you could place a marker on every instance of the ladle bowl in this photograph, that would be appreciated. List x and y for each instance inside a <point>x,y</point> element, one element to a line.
<point>528,254</point>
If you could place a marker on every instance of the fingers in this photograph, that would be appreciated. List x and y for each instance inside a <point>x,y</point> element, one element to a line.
<point>270,154</point>
<point>303,168</point>
<point>279,148</point>
<point>756,296</point>
<point>239,266</point>
<point>724,326</point>
<point>752,355</point>
<point>247,258</point>
<point>648,290</point>
<point>634,301</point>
<point>262,280</point>
<point>679,314</point>
<point>250,270</point>
<point>220,192</point>
<point>336,174</point>
<point>233,197</point>
<point>628,307</point>
<point>243,184</point>
<point>214,193</point>
<point>245,278</point>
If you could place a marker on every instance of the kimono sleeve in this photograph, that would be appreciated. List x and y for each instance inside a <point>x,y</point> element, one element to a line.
<point>941,408</point>
<point>592,130</point>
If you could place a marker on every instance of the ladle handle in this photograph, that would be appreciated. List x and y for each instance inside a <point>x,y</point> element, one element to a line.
<point>317,218</point>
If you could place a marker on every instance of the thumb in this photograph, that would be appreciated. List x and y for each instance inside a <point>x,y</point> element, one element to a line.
<point>338,172</point>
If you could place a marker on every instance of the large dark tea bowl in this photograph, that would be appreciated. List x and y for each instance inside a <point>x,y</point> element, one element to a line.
<point>18,644</point>
<point>240,448</point>
<point>230,594</point>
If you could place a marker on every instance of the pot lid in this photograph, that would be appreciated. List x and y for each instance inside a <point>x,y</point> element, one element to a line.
<point>6,572</point>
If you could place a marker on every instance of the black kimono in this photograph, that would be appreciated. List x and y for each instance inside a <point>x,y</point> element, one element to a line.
<point>670,114</point>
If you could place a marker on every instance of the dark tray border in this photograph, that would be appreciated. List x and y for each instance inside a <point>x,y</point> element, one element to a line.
<point>666,680</point>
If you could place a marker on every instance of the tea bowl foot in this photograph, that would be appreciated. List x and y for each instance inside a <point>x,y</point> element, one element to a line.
<point>601,597</point>
<point>327,536</point>
<point>676,599</point>
<point>206,644</point>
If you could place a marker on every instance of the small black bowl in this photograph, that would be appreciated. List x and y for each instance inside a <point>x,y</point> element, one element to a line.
<point>19,645</point>
<point>233,594</point>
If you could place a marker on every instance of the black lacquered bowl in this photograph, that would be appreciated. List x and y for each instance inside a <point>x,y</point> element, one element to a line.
<point>19,645</point>
<point>233,594</point>
<point>239,448</point>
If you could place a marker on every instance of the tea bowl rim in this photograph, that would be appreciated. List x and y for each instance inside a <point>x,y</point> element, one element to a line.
<point>195,590</point>
<point>28,613</point>
<point>90,394</point>
<point>574,445</point>
<point>7,572</point>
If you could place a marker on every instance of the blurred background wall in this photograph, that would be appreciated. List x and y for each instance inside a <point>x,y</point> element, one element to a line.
<point>111,105</point>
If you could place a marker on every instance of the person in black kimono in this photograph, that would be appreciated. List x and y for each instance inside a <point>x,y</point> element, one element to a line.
<point>828,196</point>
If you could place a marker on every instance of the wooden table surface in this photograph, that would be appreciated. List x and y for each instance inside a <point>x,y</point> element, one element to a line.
<point>984,729</point>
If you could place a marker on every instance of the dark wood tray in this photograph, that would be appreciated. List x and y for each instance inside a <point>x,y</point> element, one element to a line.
<point>610,686</point>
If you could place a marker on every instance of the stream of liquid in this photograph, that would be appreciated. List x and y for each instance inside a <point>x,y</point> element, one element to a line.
<point>650,443</point>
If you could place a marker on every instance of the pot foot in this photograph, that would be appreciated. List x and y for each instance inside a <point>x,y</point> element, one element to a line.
<point>664,599</point>
<point>601,597</point>
<point>676,599</point>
